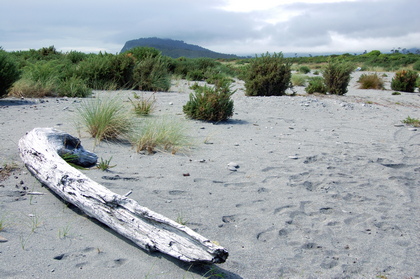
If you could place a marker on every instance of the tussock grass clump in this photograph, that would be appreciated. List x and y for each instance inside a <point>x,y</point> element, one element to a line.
<point>298,80</point>
<point>143,106</point>
<point>105,118</point>
<point>163,134</point>
<point>371,81</point>
<point>32,89</point>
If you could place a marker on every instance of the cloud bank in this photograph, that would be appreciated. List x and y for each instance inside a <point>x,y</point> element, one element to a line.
<point>224,26</point>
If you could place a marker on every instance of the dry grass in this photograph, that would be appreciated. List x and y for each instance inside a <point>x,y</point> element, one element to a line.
<point>6,170</point>
<point>371,81</point>
<point>31,89</point>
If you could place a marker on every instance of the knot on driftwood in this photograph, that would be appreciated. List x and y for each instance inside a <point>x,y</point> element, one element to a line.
<point>71,148</point>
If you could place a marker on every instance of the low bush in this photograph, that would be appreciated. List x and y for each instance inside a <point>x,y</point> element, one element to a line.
<point>316,85</point>
<point>371,81</point>
<point>268,75</point>
<point>105,118</point>
<point>337,76</point>
<point>140,53</point>
<point>9,72</point>
<point>210,103</point>
<point>97,71</point>
<point>304,69</point>
<point>404,80</point>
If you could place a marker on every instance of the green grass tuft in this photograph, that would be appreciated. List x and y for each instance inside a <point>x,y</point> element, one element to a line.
<point>412,121</point>
<point>143,106</point>
<point>163,134</point>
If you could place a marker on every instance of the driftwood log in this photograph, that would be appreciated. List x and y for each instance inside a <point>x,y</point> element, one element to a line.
<point>40,150</point>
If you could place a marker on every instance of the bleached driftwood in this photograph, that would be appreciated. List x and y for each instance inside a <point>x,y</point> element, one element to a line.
<point>40,149</point>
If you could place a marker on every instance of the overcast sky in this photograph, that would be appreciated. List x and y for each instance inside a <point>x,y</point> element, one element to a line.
<point>227,26</point>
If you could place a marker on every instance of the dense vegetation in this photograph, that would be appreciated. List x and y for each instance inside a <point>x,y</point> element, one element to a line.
<point>48,72</point>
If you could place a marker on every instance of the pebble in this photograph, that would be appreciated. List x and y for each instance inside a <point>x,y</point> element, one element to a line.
<point>412,129</point>
<point>2,239</point>
<point>398,125</point>
<point>293,157</point>
<point>232,166</point>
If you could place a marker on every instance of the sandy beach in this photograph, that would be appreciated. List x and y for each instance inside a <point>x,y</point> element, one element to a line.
<point>327,187</point>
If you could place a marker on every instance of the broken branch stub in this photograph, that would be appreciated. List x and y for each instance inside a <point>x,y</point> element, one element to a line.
<point>39,150</point>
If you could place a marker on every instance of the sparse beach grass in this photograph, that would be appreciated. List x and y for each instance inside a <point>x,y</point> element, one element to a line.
<point>163,133</point>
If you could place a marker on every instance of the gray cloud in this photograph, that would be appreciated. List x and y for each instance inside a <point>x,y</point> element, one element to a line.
<point>107,25</point>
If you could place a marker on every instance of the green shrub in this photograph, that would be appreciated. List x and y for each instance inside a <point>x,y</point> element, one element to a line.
<point>268,75</point>
<point>76,56</point>
<point>210,104</point>
<point>316,85</point>
<point>304,69</point>
<point>195,75</point>
<point>73,87</point>
<point>298,80</point>
<point>9,72</point>
<point>105,118</point>
<point>372,81</point>
<point>140,53</point>
<point>337,76</point>
<point>416,66</point>
<point>151,74</point>
<point>97,71</point>
<point>121,71</point>
<point>404,80</point>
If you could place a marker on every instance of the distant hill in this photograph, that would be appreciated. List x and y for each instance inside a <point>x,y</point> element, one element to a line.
<point>175,48</point>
